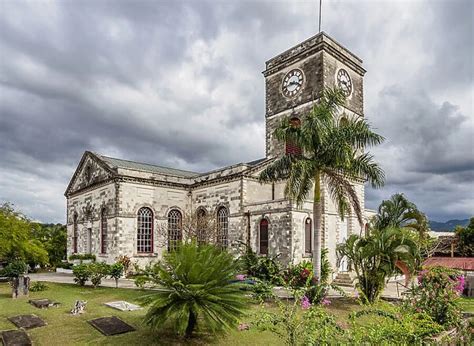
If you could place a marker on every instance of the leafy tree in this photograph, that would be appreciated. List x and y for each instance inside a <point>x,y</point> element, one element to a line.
<point>465,237</point>
<point>196,289</point>
<point>54,239</point>
<point>331,154</point>
<point>16,238</point>
<point>375,256</point>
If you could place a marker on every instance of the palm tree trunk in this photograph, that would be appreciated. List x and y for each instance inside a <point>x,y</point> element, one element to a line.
<point>317,212</point>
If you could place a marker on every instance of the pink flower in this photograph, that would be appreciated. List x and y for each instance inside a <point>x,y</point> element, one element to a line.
<point>305,304</point>
<point>325,301</point>
<point>240,277</point>
<point>460,285</point>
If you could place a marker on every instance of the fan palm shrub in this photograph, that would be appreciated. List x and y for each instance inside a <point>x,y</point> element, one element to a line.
<point>195,289</point>
<point>375,257</point>
<point>332,155</point>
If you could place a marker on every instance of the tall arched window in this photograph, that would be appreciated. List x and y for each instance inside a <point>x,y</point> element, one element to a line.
<point>175,234</point>
<point>263,237</point>
<point>145,230</point>
<point>202,227</point>
<point>222,227</point>
<point>308,231</point>
<point>103,231</point>
<point>74,233</point>
<point>291,148</point>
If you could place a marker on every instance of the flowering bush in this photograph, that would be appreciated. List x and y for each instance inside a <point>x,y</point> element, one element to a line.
<point>300,275</point>
<point>437,294</point>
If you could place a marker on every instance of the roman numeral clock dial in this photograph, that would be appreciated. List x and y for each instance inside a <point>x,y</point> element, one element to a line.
<point>344,82</point>
<point>292,83</point>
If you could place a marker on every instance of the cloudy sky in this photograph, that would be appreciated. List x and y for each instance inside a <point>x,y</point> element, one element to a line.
<point>179,83</point>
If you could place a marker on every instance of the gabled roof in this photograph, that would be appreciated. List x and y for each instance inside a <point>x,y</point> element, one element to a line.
<point>145,167</point>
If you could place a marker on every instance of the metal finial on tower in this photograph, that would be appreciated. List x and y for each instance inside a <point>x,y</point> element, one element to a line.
<point>320,6</point>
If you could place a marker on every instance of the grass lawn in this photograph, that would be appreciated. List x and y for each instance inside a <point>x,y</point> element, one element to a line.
<point>65,329</point>
<point>468,304</point>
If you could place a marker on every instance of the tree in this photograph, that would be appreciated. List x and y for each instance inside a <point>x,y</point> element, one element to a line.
<point>195,287</point>
<point>54,239</point>
<point>375,257</point>
<point>465,238</point>
<point>331,154</point>
<point>16,238</point>
<point>398,211</point>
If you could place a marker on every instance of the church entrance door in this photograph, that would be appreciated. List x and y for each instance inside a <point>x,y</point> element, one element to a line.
<point>343,233</point>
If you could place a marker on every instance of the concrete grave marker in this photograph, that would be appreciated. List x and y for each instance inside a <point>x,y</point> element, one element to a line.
<point>27,321</point>
<point>42,303</point>
<point>123,306</point>
<point>15,338</point>
<point>111,325</point>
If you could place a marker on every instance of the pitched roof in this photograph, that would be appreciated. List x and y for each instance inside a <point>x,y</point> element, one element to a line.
<point>463,263</point>
<point>145,167</point>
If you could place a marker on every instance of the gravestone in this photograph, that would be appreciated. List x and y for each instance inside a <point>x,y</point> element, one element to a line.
<point>123,306</point>
<point>20,286</point>
<point>15,338</point>
<point>27,321</point>
<point>42,303</point>
<point>79,307</point>
<point>111,325</point>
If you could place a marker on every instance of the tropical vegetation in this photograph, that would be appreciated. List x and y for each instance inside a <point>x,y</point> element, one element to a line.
<point>196,291</point>
<point>331,153</point>
<point>465,239</point>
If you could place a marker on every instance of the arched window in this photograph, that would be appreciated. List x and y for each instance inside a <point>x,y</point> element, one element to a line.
<point>202,227</point>
<point>103,231</point>
<point>291,148</point>
<point>145,230</point>
<point>263,237</point>
<point>343,121</point>
<point>74,233</point>
<point>222,227</point>
<point>175,234</point>
<point>308,232</point>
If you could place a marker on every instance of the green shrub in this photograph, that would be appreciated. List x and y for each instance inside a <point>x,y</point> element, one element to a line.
<point>196,288</point>
<point>38,286</point>
<point>299,275</point>
<point>15,269</point>
<point>437,294</point>
<point>391,325</point>
<point>82,257</point>
<point>98,270</point>
<point>81,274</point>
<point>116,272</point>
<point>65,265</point>
<point>262,290</point>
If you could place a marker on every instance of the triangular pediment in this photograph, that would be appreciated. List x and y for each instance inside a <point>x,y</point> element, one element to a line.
<point>90,171</point>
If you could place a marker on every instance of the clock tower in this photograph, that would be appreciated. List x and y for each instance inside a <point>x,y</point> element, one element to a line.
<point>295,78</point>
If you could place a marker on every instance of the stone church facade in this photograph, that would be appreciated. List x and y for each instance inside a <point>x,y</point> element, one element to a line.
<point>116,207</point>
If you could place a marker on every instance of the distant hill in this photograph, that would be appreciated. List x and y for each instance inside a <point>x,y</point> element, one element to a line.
<point>448,225</point>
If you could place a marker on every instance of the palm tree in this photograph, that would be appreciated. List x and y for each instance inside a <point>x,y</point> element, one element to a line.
<point>195,288</point>
<point>331,153</point>
<point>398,211</point>
<point>375,258</point>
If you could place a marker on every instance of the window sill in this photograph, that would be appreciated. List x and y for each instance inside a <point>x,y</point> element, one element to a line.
<point>145,255</point>
<point>307,256</point>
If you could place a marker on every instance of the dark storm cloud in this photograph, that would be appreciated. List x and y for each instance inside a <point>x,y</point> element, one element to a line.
<point>178,83</point>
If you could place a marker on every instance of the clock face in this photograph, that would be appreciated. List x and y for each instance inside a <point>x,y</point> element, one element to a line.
<point>344,81</point>
<point>292,83</point>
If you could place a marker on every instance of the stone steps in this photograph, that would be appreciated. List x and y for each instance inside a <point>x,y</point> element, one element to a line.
<point>344,279</point>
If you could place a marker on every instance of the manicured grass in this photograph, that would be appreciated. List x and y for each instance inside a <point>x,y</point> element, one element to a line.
<point>467,304</point>
<point>65,329</point>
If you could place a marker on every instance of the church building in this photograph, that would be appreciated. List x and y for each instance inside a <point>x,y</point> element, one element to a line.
<point>115,207</point>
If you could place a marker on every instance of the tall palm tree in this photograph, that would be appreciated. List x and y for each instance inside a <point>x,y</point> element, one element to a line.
<point>331,153</point>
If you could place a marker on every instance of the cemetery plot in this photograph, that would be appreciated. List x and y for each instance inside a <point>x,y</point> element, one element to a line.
<point>42,303</point>
<point>27,321</point>
<point>123,306</point>
<point>111,325</point>
<point>15,338</point>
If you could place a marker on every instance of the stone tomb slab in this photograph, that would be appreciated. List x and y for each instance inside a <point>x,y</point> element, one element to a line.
<point>123,306</point>
<point>111,325</point>
<point>15,338</point>
<point>27,321</point>
<point>42,303</point>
